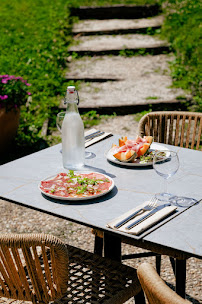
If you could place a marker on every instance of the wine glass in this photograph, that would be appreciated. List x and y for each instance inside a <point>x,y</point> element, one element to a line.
<point>59,119</point>
<point>166,164</point>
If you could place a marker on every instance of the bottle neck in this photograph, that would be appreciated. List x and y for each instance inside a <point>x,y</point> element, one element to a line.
<point>72,107</point>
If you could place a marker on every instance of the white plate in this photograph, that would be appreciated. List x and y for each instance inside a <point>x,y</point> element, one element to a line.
<point>137,162</point>
<point>77,198</point>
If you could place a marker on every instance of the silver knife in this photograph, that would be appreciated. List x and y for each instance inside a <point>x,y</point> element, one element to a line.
<point>92,134</point>
<point>127,219</point>
<point>147,215</point>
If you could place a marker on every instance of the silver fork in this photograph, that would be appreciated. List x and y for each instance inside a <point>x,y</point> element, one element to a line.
<point>152,204</point>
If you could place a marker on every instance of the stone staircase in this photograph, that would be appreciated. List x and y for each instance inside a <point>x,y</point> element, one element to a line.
<point>111,82</point>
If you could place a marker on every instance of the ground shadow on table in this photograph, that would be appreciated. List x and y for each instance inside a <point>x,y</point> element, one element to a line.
<point>95,169</point>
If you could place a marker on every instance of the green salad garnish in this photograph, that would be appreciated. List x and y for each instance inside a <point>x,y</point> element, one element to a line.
<point>149,155</point>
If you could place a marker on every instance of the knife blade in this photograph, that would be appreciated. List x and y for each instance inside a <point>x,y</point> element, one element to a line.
<point>127,219</point>
<point>147,216</point>
<point>94,136</point>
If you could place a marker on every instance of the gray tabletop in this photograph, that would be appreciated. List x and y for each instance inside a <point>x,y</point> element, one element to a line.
<point>19,182</point>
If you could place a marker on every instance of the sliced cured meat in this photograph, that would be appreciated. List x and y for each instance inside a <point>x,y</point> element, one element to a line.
<point>129,149</point>
<point>76,185</point>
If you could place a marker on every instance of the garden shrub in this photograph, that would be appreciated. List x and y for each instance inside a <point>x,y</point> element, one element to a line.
<point>34,40</point>
<point>182,29</point>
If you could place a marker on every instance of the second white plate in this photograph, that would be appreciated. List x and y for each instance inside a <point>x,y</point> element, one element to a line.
<point>137,162</point>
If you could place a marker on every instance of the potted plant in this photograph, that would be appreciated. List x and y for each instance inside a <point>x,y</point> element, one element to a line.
<point>13,93</point>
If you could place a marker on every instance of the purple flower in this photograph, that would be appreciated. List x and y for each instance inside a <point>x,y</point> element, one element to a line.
<point>13,91</point>
<point>3,97</point>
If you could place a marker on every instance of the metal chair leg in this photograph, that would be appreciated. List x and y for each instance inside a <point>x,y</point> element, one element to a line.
<point>158,264</point>
<point>140,298</point>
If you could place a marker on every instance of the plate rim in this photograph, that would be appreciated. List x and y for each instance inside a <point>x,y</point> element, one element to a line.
<point>128,164</point>
<point>76,198</point>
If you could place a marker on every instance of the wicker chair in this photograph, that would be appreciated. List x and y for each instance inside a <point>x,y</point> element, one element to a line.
<point>182,129</point>
<point>41,268</point>
<point>155,289</point>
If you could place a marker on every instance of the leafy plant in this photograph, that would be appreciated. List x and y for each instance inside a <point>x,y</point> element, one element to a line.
<point>34,41</point>
<point>13,91</point>
<point>182,29</point>
<point>92,118</point>
<point>139,115</point>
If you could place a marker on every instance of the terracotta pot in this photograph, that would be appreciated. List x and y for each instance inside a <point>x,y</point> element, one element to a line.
<point>9,122</point>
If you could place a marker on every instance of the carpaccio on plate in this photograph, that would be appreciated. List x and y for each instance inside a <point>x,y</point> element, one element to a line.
<point>76,185</point>
<point>130,149</point>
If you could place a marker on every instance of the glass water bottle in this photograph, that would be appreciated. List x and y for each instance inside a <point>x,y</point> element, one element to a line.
<point>73,145</point>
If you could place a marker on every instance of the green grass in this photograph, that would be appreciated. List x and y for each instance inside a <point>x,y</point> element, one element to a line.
<point>34,40</point>
<point>182,28</point>
<point>151,97</point>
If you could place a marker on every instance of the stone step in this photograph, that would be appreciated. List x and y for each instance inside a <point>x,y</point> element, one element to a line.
<point>141,81</point>
<point>106,44</point>
<point>117,26</point>
<point>91,77</point>
<point>116,11</point>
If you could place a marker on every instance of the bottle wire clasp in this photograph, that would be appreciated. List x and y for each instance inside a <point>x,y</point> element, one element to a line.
<point>65,100</point>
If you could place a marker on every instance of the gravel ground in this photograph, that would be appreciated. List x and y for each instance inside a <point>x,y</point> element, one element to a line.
<point>18,219</point>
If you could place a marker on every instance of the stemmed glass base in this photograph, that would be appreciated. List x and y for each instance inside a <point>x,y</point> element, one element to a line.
<point>181,201</point>
<point>165,196</point>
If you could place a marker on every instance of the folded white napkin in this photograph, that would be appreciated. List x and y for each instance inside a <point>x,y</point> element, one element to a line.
<point>97,138</point>
<point>147,223</point>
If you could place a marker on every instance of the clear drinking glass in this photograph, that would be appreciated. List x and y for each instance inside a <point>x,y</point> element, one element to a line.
<point>166,164</point>
<point>59,120</point>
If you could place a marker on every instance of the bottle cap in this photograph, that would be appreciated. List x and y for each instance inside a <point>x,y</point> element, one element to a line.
<point>70,95</point>
<point>71,89</point>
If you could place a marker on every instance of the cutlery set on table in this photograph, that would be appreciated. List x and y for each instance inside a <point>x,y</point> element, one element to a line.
<point>142,217</point>
<point>92,136</point>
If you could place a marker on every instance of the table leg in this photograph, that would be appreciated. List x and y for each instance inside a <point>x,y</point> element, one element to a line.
<point>98,245</point>
<point>112,249</point>
<point>180,276</point>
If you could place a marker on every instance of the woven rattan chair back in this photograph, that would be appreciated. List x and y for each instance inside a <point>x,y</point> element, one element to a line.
<point>156,291</point>
<point>33,267</point>
<point>41,269</point>
<point>182,129</point>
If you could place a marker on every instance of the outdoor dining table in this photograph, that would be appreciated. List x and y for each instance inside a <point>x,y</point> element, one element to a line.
<point>179,237</point>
